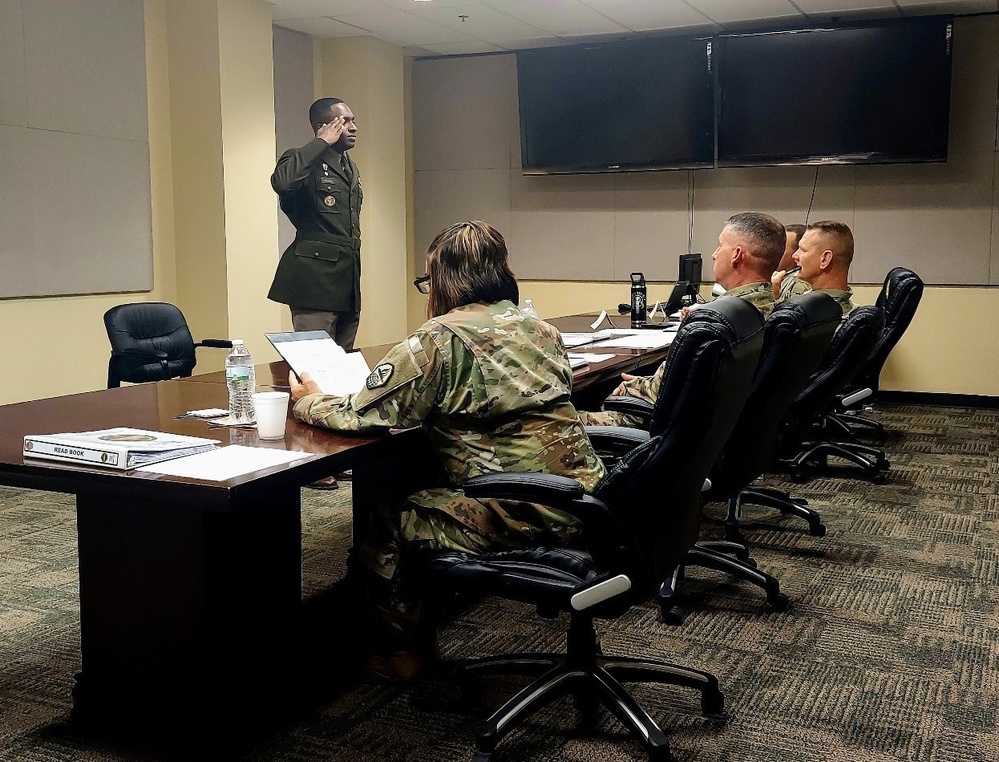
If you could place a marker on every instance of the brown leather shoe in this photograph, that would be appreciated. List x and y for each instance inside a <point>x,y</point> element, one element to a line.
<point>328,482</point>
<point>396,667</point>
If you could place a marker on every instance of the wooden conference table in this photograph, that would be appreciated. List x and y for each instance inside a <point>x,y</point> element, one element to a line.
<point>190,590</point>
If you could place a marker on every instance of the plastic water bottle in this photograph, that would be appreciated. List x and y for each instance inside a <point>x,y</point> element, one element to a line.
<point>529,308</point>
<point>240,379</point>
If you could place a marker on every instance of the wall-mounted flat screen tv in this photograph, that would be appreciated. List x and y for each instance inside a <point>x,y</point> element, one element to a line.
<point>617,107</point>
<point>857,94</point>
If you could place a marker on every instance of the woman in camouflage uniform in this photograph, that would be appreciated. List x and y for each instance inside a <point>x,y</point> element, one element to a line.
<point>490,386</point>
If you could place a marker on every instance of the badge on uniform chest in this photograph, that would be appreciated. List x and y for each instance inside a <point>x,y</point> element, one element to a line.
<point>329,201</point>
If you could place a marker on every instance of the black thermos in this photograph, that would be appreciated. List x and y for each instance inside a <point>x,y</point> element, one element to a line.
<point>638,300</point>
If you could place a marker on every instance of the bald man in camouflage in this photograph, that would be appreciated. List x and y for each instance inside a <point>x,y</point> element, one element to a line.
<point>750,246</point>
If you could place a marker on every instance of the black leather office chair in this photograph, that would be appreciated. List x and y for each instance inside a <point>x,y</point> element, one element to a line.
<point>796,338</point>
<point>150,341</point>
<point>638,527</point>
<point>806,438</point>
<point>900,296</point>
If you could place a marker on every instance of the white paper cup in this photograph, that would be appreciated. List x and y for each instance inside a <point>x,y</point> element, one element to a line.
<point>271,409</point>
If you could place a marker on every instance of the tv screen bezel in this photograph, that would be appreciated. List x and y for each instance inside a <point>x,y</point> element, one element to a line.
<point>844,158</point>
<point>604,168</point>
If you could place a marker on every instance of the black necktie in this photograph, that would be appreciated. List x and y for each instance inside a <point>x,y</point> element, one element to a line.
<point>345,165</point>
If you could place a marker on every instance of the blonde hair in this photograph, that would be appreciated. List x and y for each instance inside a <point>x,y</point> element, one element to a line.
<point>842,239</point>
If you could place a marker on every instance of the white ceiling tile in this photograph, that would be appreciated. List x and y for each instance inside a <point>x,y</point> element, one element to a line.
<point>321,27</point>
<point>464,48</point>
<point>533,42</point>
<point>558,17</point>
<point>304,9</point>
<point>482,22</point>
<point>948,6</point>
<point>517,24</point>
<point>726,11</point>
<point>408,5</point>
<point>831,7</point>
<point>404,28</point>
<point>648,15</point>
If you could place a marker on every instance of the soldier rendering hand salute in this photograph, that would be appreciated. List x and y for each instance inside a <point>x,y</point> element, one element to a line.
<point>319,275</point>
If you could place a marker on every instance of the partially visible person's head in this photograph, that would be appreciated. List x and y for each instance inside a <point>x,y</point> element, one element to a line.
<point>794,233</point>
<point>749,249</point>
<point>324,110</point>
<point>467,263</point>
<point>825,253</point>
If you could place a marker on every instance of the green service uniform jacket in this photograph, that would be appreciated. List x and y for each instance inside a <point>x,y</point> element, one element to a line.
<point>321,270</point>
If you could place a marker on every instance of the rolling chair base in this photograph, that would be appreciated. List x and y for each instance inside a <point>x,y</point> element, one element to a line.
<point>593,679</point>
<point>771,498</point>
<point>720,557</point>
<point>872,461</point>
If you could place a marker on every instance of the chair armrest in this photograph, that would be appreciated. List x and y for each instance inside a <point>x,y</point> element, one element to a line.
<point>549,489</point>
<point>215,343</point>
<point>619,439</point>
<point>852,398</point>
<point>603,588</point>
<point>630,406</point>
<point>155,354</point>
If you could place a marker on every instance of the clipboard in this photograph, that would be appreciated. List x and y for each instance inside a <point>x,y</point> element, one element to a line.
<point>335,371</point>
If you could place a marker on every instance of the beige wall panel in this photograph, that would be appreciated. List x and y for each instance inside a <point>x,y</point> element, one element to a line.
<point>933,218</point>
<point>13,85</point>
<point>293,94</point>
<point>973,84</point>
<point>465,113</point>
<point>247,90</point>
<point>650,224</point>
<point>563,227</point>
<point>994,249</point>
<point>86,67</point>
<point>368,75</point>
<point>16,233</point>
<point>45,317</point>
<point>196,135</point>
<point>92,226</point>
<point>456,195</point>
<point>783,192</point>
<point>929,358</point>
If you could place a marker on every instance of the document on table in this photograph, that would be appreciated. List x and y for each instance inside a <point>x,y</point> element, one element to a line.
<point>579,339</point>
<point>643,340</point>
<point>225,463</point>
<point>577,360</point>
<point>314,352</point>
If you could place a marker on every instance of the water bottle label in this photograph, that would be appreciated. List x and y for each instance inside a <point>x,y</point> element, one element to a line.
<point>237,373</point>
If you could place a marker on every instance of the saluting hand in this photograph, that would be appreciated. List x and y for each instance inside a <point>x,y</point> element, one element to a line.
<point>331,131</point>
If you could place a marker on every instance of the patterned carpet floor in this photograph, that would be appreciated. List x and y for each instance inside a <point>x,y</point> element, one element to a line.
<point>889,651</point>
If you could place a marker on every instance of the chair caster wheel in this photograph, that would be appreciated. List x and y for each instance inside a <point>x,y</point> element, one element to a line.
<point>819,530</point>
<point>712,702</point>
<point>749,561</point>
<point>779,602</point>
<point>672,616</point>
<point>660,754</point>
<point>797,477</point>
<point>879,479</point>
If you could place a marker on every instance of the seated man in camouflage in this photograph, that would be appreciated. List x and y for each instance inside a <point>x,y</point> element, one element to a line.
<point>824,254</point>
<point>749,248</point>
<point>785,283</point>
